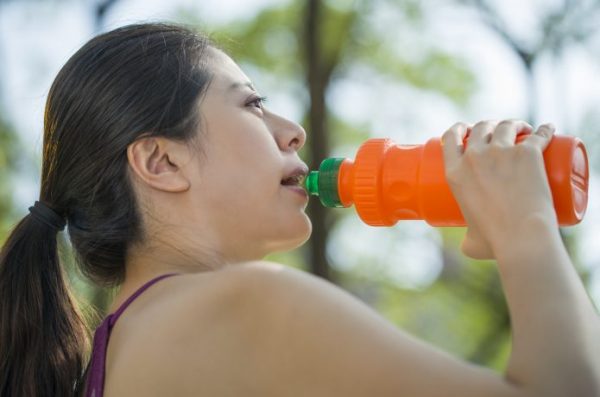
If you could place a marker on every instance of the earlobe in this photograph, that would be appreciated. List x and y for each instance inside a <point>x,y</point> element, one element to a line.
<point>156,162</point>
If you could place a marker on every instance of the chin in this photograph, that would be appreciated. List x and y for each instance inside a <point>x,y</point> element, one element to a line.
<point>289,238</point>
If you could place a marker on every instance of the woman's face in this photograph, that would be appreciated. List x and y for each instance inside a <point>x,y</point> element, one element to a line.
<point>239,190</point>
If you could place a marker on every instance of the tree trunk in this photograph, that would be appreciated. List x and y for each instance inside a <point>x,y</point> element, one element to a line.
<point>318,143</point>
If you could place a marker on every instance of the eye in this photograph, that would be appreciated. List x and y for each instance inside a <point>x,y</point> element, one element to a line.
<point>257,102</point>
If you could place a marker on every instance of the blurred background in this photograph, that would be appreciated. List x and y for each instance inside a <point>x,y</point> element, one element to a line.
<point>349,70</point>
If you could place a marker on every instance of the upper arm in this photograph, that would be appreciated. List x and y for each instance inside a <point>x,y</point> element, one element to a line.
<point>306,336</point>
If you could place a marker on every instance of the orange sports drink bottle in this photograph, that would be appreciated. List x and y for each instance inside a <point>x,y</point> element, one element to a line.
<point>388,182</point>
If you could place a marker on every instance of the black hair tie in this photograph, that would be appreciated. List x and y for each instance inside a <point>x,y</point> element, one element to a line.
<point>48,216</point>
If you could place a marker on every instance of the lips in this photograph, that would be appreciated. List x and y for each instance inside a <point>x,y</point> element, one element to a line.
<point>295,180</point>
<point>296,177</point>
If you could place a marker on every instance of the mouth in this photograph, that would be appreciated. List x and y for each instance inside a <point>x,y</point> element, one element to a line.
<point>294,180</point>
<point>295,184</point>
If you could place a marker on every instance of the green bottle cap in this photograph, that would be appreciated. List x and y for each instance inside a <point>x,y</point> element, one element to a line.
<point>312,183</point>
<point>324,183</point>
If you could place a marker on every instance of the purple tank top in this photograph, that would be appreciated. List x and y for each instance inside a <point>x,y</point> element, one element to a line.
<point>95,377</point>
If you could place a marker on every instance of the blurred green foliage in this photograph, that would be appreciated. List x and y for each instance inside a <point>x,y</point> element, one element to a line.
<point>463,310</point>
<point>9,152</point>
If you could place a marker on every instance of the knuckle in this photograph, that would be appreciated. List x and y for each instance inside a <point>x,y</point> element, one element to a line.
<point>454,130</point>
<point>460,124</point>
<point>447,133</point>
<point>480,124</point>
<point>455,127</point>
<point>484,123</point>
<point>508,123</point>
<point>546,130</point>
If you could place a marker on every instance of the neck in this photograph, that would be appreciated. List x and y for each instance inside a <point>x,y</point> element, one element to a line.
<point>147,262</point>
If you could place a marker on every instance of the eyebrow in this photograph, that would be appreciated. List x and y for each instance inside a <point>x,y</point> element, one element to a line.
<point>237,85</point>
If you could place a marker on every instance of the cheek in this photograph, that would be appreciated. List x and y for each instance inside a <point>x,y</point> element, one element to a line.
<point>244,179</point>
<point>244,163</point>
<point>252,163</point>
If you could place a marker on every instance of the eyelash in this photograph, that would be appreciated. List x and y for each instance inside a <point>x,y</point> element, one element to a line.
<point>258,101</point>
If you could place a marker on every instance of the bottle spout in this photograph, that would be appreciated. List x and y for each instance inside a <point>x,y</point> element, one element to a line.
<point>312,183</point>
<point>324,182</point>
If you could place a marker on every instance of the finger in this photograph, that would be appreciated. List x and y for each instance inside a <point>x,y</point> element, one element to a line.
<point>481,132</point>
<point>541,137</point>
<point>452,142</point>
<point>474,246</point>
<point>476,251</point>
<point>506,132</point>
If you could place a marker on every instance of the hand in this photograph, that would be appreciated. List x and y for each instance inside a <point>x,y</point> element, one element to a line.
<point>498,184</point>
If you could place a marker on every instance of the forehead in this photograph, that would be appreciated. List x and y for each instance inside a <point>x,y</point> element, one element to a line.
<point>227,74</point>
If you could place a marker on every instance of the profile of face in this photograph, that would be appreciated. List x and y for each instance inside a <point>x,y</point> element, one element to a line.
<point>229,193</point>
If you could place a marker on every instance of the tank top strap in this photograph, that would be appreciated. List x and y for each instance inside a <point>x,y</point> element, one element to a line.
<point>117,313</point>
<point>95,380</point>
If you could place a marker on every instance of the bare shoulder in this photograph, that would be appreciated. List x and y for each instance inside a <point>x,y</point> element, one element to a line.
<point>307,336</point>
<point>261,328</point>
<point>189,334</point>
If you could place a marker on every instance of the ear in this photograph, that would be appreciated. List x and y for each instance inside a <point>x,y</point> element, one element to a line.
<point>159,163</point>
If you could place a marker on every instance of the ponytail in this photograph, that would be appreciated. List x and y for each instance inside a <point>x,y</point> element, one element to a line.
<point>135,80</point>
<point>43,338</point>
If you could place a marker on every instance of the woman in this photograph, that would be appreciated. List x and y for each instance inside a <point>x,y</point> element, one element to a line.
<point>175,181</point>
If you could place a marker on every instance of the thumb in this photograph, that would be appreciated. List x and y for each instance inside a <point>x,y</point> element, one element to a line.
<point>474,246</point>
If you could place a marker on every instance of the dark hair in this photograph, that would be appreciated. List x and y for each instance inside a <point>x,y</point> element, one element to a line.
<point>142,79</point>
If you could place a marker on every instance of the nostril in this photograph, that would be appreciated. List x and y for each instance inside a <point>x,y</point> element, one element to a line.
<point>295,143</point>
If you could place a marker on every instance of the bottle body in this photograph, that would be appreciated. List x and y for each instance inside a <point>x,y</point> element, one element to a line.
<point>388,182</point>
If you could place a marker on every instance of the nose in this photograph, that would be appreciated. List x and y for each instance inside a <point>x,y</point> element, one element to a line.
<point>289,135</point>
